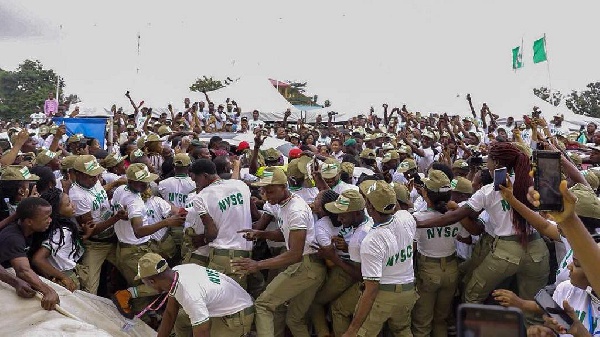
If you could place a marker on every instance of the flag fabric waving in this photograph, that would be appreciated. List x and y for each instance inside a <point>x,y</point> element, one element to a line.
<point>539,50</point>
<point>90,127</point>
<point>517,58</point>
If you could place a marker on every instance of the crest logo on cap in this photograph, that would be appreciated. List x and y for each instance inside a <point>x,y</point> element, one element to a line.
<point>342,203</point>
<point>141,174</point>
<point>25,172</point>
<point>91,165</point>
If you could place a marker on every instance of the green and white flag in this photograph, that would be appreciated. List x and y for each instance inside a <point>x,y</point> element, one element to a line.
<point>517,58</point>
<point>539,50</point>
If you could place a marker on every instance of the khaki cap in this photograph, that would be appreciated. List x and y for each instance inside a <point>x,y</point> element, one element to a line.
<point>272,154</point>
<point>303,163</point>
<point>88,164</point>
<point>330,169</point>
<point>112,160</point>
<point>68,162</point>
<point>75,138</point>
<point>576,158</point>
<point>153,137</point>
<point>182,160</point>
<point>437,181</point>
<point>348,201</point>
<point>130,126</point>
<point>461,185</point>
<point>391,155</point>
<point>293,169</point>
<point>164,130</point>
<point>402,193</point>
<point>368,154</point>
<point>405,149</point>
<point>45,157</point>
<point>141,142</point>
<point>140,172</point>
<point>587,204</point>
<point>591,178</point>
<point>347,167</point>
<point>17,173</point>
<point>387,146</point>
<point>369,137</point>
<point>151,264</point>
<point>44,130</point>
<point>380,194</point>
<point>136,154</point>
<point>460,164</point>
<point>272,176</point>
<point>407,165</point>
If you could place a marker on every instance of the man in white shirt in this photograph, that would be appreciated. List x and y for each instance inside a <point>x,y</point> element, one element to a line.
<point>327,176</point>
<point>134,233</point>
<point>386,255</point>
<point>216,304</point>
<point>305,272</point>
<point>224,208</point>
<point>255,123</point>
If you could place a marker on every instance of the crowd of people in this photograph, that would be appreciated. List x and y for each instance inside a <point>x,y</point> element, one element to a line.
<point>380,224</point>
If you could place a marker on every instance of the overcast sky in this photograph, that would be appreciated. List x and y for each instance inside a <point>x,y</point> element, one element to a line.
<point>423,53</point>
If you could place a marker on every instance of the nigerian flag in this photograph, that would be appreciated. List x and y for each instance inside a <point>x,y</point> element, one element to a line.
<point>517,58</point>
<point>539,50</point>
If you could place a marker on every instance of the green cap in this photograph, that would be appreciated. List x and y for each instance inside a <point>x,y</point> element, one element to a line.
<point>348,201</point>
<point>437,181</point>
<point>391,155</point>
<point>44,157</point>
<point>402,193</point>
<point>461,185</point>
<point>88,164</point>
<point>17,173</point>
<point>407,165</point>
<point>112,160</point>
<point>140,172</point>
<point>272,176</point>
<point>368,154</point>
<point>380,194</point>
<point>151,264</point>
<point>272,154</point>
<point>182,160</point>
<point>587,204</point>
<point>460,164</point>
<point>591,178</point>
<point>350,142</point>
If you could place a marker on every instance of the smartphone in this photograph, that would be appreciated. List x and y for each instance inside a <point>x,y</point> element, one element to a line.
<point>499,178</point>
<point>547,180</point>
<point>480,320</point>
<point>552,309</point>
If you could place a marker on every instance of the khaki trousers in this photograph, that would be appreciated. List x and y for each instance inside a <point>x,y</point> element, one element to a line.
<point>337,282</point>
<point>165,248</point>
<point>222,264</point>
<point>480,250</point>
<point>236,325</point>
<point>296,285</point>
<point>91,263</point>
<point>127,263</point>
<point>342,309</point>
<point>393,307</point>
<point>436,284</point>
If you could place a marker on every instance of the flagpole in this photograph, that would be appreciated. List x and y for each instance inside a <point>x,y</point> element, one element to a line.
<point>548,67</point>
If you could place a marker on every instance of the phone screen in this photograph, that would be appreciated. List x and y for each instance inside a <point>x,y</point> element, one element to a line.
<point>499,178</point>
<point>547,180</point>
<point>477,320</point>
<point>551,308</point>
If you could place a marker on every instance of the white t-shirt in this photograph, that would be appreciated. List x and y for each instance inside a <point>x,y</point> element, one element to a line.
<point>252,124</point>
<point>356,237</point>
<point>437,241</point>
<point>342,186</point>
<point>498,209</point>
<point>60,256</point>
<point>308,194</point>
<point>176,189</point>
<point>205,293</point>
<point>38,117</point>
<point>110,177</point>
<point>292,215</point>
<point>94,201</point>
<point>135,209</point>
<point>193,220</point>
<point>358,171</point>
<point>157,209</point>
<point>228,204</point>
<point>562,273</point>
<point>586,309</point>
<point>324,231</point>
<point>424,162</point>
<point>386,253</point>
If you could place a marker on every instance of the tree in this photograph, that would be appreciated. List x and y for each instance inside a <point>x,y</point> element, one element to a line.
<point>586,102</point>
<point>25,89</point>
<point>544,94</point>
<point>207,84</point>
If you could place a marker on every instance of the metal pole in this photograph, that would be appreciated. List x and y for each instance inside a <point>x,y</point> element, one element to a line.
<point>548,67</point>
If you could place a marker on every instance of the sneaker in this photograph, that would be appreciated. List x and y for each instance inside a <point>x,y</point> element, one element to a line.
<point>122,299</point>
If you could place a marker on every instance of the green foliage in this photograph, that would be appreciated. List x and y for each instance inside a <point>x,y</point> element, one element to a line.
<point>26,88</point>
<point>586,102</point>
<point>206,84</point>
<point>544,94</point>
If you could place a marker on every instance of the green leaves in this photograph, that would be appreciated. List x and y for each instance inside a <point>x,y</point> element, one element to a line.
<point>206,84</point>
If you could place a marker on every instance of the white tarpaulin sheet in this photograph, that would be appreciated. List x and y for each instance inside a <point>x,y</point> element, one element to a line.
<point>98,316</point>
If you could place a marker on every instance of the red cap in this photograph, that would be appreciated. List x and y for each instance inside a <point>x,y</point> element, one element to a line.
<point>243,146</point>
<point>295,153</point>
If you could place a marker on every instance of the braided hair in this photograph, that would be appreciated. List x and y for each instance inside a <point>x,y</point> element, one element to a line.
<point>60,223</point>
<point>507,155</point>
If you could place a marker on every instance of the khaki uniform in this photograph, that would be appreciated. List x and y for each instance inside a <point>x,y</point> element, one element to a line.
<point>128,257</point>
<point>220,260</point>
<point>238,324</point>
<point>343,308</point>
<point>91,263</point>
<point>336,284</point>
<point>298,284</point>
<point>508,258</point>
<point>165,248</point>
<point>393,304</point>
<point>73,276</point>
<point>480,250</point>
<point>437,281</point>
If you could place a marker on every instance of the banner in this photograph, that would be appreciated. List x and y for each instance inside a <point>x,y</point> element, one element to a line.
<point>94,127</point>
